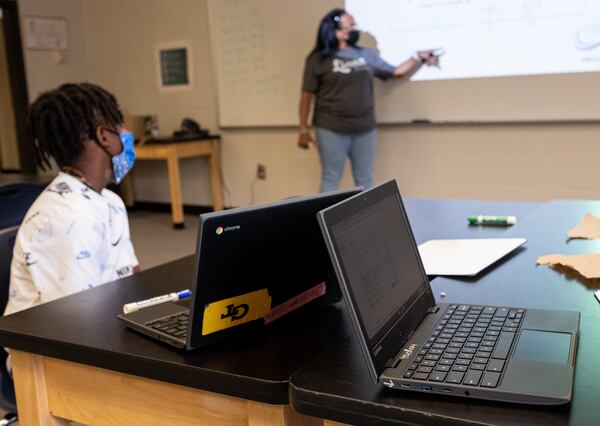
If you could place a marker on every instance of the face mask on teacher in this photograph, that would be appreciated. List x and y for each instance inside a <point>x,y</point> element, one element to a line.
<point>353,37</point>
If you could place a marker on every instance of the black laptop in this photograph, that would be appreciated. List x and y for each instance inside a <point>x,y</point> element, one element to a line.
<point>411,343</point>
<point>253,266</point>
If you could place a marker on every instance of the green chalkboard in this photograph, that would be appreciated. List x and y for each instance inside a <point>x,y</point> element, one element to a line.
<point>174,67</point>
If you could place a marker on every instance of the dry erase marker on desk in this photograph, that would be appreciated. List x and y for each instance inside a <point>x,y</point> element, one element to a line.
<point>492,220</point>
<point>171,297</point>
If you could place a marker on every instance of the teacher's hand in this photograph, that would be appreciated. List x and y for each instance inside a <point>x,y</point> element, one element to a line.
<point>306,141</point>
<point>428,58</point>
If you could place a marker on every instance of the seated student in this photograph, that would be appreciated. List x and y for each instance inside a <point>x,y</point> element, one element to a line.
<point>75,236</point>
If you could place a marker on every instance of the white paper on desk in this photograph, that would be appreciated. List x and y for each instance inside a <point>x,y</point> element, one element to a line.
<point>465,257</point>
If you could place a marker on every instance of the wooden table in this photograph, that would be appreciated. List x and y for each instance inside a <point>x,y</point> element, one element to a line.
<point>172,151</point>
<point>52,391</point>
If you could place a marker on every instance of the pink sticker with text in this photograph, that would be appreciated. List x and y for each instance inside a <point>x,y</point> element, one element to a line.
<point>295,302</point>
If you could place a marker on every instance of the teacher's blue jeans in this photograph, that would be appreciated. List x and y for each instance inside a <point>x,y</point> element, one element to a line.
<point>335,147</point>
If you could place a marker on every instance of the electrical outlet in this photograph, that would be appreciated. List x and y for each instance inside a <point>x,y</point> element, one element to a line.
<point>261,171</point>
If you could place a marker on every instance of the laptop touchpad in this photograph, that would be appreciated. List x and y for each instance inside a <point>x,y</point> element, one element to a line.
<point>543,346</point>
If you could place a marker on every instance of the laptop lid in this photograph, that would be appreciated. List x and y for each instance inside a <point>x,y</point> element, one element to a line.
<point>375,257</point>
<point>258,263</point>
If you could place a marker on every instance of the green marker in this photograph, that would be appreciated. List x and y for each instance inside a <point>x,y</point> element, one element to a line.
<point>492,220</point>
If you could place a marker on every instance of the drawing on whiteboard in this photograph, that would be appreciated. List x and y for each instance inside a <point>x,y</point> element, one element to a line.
<point>588,37</point>
<point>408,15</point>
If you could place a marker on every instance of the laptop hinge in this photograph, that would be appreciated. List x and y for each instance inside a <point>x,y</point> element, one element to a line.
<point>433,310</point>
<point>393,362</point>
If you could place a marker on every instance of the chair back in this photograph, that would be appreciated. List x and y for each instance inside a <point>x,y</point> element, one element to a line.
<point>15,200</point>
<point>7,243</point>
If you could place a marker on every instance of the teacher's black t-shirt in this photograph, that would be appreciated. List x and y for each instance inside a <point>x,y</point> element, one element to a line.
<point>343,85</point>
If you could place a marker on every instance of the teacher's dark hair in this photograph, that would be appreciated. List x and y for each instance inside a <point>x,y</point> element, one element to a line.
<point>327,42</point>
<point>60,120</point>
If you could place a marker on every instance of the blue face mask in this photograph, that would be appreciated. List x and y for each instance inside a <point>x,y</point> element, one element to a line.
<point>123,162</point>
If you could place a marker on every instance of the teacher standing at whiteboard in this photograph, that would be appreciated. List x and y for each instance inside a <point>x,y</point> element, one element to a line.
<point>338,75</point>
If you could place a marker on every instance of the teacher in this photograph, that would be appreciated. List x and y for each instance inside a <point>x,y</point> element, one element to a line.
<point>338,74</point>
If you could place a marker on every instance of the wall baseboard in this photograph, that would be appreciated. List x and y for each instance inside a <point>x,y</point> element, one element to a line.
<point>166,208</point>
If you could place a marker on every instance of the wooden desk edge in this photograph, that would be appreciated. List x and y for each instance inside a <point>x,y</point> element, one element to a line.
<point>183,149</point>
<point>51,390</point>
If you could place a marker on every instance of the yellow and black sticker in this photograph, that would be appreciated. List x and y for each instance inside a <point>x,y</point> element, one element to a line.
<point>235,311</point>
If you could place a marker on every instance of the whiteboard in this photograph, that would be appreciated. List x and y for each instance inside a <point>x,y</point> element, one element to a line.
<point>486,38</point>
<point>563,97</point>
<point>259,48</point>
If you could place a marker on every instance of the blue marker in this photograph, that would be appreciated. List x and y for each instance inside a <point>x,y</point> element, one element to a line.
<point>171,297</point>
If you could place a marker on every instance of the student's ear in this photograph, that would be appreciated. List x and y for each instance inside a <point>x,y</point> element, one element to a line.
<point>101,136</point>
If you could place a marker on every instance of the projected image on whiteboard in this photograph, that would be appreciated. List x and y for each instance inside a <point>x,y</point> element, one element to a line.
<point>486,38</point>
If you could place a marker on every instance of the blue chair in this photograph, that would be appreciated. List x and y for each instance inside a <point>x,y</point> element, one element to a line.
<point>15,200</point>
<point>7,389</point>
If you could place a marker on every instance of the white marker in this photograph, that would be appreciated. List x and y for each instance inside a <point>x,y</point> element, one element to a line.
<point>171,297</point>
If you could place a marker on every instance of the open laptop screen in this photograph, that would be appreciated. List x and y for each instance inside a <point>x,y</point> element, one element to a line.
<point>378,256</point>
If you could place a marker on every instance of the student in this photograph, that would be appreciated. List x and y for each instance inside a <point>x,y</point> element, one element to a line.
<point>339,75</point>
<point>75,236</point>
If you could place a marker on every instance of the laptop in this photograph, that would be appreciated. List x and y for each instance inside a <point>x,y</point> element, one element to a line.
<point>253,265</point>
<point>409,342</point>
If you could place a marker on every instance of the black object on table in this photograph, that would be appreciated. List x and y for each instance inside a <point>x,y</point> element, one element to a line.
<point>177,139</point>
<point>337,386</point>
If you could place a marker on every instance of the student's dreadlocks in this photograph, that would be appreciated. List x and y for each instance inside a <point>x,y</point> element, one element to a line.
<point>60,120</point>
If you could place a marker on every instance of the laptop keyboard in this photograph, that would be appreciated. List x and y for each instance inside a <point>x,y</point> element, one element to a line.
<point>469,346</point>
<point>173,325</point>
